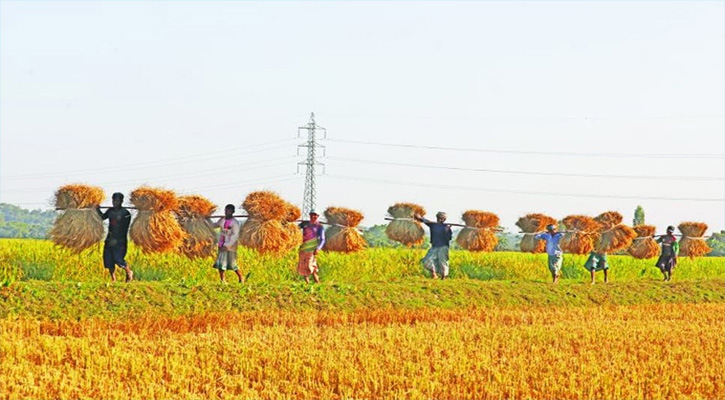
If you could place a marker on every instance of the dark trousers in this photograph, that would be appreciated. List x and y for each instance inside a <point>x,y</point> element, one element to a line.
<point>114,255</point>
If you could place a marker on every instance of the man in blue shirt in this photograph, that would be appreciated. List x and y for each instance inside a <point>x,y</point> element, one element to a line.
<point>436,260</point>
<point>553,250</point>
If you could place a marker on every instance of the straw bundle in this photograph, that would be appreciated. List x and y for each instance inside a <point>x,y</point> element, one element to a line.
<point>290,225</point>
<point>194,213</point>
<point>614,239</point>
<point>342,234</point>
<point>294,233</point>
<point>692,243</point>
<point>78,226</point>
<point>404,228</point>
<point>644,245</point>
<point>271,236</point>
<point>581,233</point>
<point>270,227</point>
<point>531,224</point>
<point>265,205</point>
<point>609,219</point>
<point>293,213</point>
<point>155,228</point>
<point>478,235</point>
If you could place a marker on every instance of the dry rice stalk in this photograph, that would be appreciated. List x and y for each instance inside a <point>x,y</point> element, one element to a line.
<point>609,219</point>
<point>271,226</point>
<point>271,236</point>
<point>156,232</point>
<point>692,243</point>
<point>195,207</point>
<point>343,216</point>
<point>78,196</point>
<point>154,199</point>
<point>614,239</point>
<point>77,229</point>
<point>156,228</point>
<point>265,205</point>
<point>342,235</point>
<point>293,213</point>
<point>531,224</point>
<point>478,235</point>
<point>581,234</point>
<point>194,213</point>
<point>476,239</point>
<point>200,240</point>
<point>644,245</point>
<point>79,226</point>
<point>295,235</point>
<point>404,228</point>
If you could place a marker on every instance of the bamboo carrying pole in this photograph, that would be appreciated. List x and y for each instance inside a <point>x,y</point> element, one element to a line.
<point>450,224</point>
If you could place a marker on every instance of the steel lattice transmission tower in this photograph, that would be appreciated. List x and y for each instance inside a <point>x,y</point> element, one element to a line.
<point>310,195</point>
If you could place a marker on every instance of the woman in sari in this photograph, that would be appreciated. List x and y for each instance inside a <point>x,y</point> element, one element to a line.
<point>313,238</point>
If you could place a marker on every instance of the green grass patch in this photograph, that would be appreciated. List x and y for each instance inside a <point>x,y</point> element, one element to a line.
<point>56,300</point>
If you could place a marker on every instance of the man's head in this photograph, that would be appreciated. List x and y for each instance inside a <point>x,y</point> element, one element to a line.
<point>551,228</point>
<point>313,216</point>
<point>117,199</point>
<point>229,211</point>
<point>441,217</point>
<point>670,230</point>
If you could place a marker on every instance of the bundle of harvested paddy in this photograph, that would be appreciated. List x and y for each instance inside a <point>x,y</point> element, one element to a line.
<point>194,213</point>
<point>692,243</point>
<point>294,234</point>
<point>478,235</point>
<point>271,236</point>
<point>644,245</point>
<point>609,219</point>
<point>531,224</point>
<point>270,227</point>
<point>293,213</point>
<point>266,205</point>
<point>581,234</point>
<point>155,228</point>
<point>614,239</point>
<point>404,228</point>
<point>342,234</point>
<point>290,225</point>
<point>78,226</point>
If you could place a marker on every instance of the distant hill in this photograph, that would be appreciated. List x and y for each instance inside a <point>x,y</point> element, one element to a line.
<point>17,222</point>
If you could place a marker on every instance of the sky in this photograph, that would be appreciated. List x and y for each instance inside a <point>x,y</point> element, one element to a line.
<point>508,107</point>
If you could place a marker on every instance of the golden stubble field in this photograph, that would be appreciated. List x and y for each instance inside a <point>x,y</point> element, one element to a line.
<point>670,351</point>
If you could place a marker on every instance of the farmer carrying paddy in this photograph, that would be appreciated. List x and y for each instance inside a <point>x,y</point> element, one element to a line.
<point>668,258</point>
<point>436,260</point>
<point>227,257</point>
<point>553,250</point>
<point>116,244</point>
<point>597,262</point>
<point>313,238</point>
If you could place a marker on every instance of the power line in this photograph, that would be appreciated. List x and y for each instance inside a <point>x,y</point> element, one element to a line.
<point>527,192</point>
<point>157,163</point>
<point>532,152</point>
<point>267,180</point>
<point>518,118</point>
<point>500,171</point>
<point>238,184</point>
<point>182,176</point>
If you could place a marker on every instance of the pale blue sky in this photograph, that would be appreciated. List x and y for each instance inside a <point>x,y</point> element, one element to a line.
<point>206,98</point>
